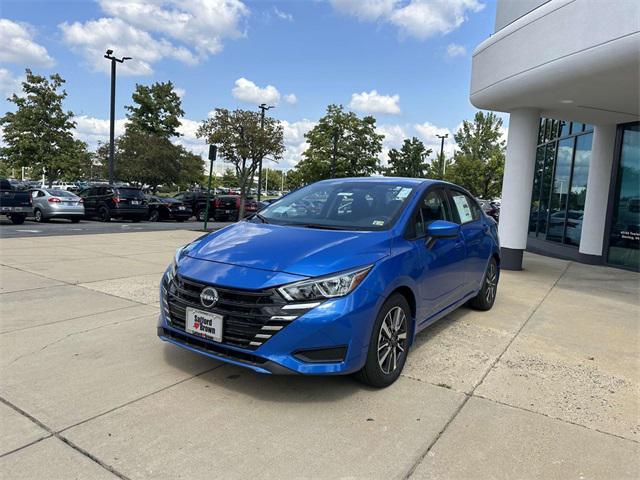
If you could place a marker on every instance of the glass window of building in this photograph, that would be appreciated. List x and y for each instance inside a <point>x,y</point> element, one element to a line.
<point>560,183</point>
<point>624,237</point>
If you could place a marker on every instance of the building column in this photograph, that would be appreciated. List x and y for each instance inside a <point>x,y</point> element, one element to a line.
<point>597,198</point>
<point>517,184</point>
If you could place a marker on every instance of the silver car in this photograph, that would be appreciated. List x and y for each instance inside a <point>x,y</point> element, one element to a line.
<point>51,203</point>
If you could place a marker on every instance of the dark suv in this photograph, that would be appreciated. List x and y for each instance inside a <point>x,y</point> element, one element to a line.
<point>197,202</point>
<point>107,202</point>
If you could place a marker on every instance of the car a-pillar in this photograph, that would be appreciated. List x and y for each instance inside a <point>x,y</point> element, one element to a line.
<point>517,185</point>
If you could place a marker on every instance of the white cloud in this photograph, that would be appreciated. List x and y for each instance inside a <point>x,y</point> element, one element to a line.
<point>93,38</point>
<point>151,30</point>
<point>291,98</point>
<point>9,84</point>
<point>282,15</point>
<point>294,142</point>
<point>365,9</point>
<point>201,24</point>
<point>428,133</point>
<point>373,102</point>
<point>247,91</point>
<point>17,45</point>
<point>96,130</point>
<point>455,50</point>
<point>416,18</point>
<point>181,92</point>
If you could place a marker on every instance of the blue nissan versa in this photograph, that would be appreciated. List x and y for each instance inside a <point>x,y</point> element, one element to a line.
<point>335,278</point>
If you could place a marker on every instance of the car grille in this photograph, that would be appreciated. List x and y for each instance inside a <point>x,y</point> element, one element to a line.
<point>250,317</point>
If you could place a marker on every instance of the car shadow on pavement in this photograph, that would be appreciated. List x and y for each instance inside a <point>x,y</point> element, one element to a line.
<point>271,388</point>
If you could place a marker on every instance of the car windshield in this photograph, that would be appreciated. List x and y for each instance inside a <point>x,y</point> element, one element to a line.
<point>344,206</point>
<point>61,193</point>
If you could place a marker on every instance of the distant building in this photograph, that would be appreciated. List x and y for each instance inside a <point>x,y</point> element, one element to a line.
<point>568,73</point>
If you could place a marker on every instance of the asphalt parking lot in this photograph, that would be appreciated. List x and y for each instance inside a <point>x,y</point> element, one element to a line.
<point>87,227</point>
<point>546,385</point>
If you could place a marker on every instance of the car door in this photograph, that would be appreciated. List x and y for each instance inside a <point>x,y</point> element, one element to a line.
<point>440,262</point>
<point>474,230</point>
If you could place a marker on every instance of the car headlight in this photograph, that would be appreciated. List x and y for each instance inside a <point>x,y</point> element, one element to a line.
<point>337,285</point>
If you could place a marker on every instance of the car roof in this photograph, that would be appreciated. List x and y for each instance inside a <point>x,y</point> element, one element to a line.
<point>405,181</point>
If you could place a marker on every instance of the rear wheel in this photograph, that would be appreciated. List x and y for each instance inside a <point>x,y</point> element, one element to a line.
<point>17,218</point>
<point>389,344</point>
<point>38,216</point>
<point>201,214</point>
<point>487,294</point>
<point>154,216</point>
<point>104,215</point>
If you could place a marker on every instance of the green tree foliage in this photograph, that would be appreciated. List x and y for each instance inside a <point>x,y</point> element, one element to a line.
<point>293,180</point>
<point>409,161</point>
<point>478,164</point>
<point>229,179</point>
<point>438,167</point>
<point>242,142</point>
<point>39,133</point>
<point>358,146</point>
<point>272,179</point>
<point>157,110</point>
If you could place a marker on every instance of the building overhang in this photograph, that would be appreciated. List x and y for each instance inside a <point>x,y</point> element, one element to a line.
<point>571,59</point>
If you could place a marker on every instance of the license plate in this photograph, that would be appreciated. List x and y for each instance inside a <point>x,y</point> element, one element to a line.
<point>227,211</point>
<point>135,202</point>
<point>204,324</point>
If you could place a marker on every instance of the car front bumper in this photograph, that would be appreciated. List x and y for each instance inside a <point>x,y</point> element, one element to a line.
<point>339,325</point>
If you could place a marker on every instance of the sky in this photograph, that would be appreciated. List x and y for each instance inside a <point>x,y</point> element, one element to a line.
<point>406,62</point>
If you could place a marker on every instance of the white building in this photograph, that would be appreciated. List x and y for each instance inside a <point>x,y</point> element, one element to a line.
<point>568,74</point>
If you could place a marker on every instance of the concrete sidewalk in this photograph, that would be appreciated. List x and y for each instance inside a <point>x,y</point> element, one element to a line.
<point>546,385</point>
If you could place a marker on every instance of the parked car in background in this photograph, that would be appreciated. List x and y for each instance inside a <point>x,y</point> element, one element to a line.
<point>107,202</point>
<point>15,204</point>
<point>490,208</point>
<point>227,207</point>
<point>339,289</point>
<point>163,208</point>
<point>53,203</point>
<point>197,202</point>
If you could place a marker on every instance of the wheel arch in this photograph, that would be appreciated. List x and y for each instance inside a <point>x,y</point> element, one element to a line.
<point>410,297</point>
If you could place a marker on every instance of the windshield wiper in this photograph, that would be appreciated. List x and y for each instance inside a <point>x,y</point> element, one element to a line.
<point>264,220</point>
<point>319,226</point>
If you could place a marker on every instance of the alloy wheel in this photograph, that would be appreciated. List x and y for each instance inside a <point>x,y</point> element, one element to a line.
<point>38,216</point>
<point>491,283</point>
<point>392,340</point>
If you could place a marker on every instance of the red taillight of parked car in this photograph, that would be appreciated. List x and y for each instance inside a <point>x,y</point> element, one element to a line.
<point>81,200</point>
<point>216,203</point>
<point>116,199</point>
<point>54,200</point>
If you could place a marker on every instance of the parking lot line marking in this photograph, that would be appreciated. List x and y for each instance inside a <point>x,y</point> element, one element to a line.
<point>29,231</point>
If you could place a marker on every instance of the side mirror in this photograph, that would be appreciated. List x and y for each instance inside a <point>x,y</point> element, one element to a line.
<point>443,229</point>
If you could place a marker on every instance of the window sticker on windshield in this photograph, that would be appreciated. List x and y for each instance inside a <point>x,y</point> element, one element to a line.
<point>403,193</point>
<point>378,223</point>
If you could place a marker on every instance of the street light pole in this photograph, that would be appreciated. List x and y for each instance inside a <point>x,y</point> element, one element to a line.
<point>442,162</point>
<point>112,116</point>
<point>263,107</point>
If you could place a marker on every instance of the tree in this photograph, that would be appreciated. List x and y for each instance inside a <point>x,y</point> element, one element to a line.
<point>242,142</point>
<point>38,134</point>
<point>358,146</point>
<point>229,178</point>
<point>409,161</point>
<point>478,165</point>
<point>157,111</point>
<point>190,168</point>
<point>438,167</point>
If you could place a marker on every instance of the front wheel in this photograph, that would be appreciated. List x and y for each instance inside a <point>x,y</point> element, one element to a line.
<point>104,215</point>
<point>389,344</point>
<point>487,294</point>
<point>200,215</point>
<point>154,216</point>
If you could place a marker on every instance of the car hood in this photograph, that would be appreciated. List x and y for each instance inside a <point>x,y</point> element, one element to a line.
<point>295,250</point>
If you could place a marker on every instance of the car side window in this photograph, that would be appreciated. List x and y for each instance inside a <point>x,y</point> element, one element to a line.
<point>179,196</point>
<point>432,207</point>
<point>464,208</point>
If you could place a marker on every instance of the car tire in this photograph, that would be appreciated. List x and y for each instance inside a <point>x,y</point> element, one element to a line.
<point>487,294</point>
<point>17,218</point>
<point>154,216</point>
<point>200,214</point>
<point>104,215</point>
<point>38,216</point>
<point>391,329</point>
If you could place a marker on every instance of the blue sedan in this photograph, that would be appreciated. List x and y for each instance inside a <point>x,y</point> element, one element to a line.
<point>335,278</point>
